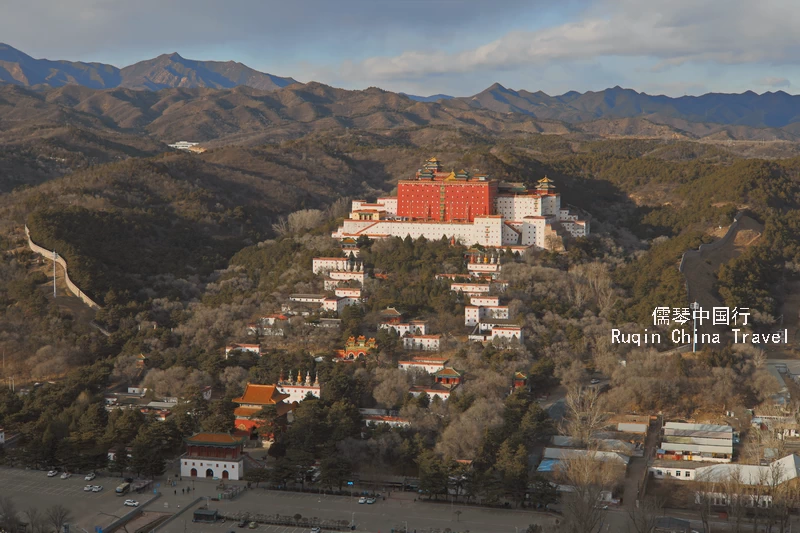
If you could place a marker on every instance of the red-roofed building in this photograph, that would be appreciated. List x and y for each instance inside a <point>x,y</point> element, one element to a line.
<point>213,455</point>
<point>450,377</point>
<point>467,208</point>
<point>356,348</point>
<point>254,399</point>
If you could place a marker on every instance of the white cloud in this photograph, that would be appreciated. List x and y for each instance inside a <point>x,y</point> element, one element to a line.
<point>776,82</point>
<point>672,32</point>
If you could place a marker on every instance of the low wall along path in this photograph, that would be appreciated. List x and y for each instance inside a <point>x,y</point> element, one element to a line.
<point>48,254</point>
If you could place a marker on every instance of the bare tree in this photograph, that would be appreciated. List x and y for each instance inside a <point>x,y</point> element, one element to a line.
<point>37,521</point>
<point>235,376</point>
<point>733,487</point>
<point>704,500</point>
<point>589,479</point>
<point>644,514</point>
<point>8,514</point>
<point>783,496</point>
<point>58,515</point>
<point>392,388</point>
<point>584,414</point>
<point>281,227</point>
<point>304,219</point>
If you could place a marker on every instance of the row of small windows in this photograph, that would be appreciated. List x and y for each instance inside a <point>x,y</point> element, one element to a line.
<point>186,463</point>
<point>677,473</point>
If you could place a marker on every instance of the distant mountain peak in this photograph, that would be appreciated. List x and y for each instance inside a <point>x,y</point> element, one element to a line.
<point>496,86</point>
<point>162,72</point>
<point>431,98</point>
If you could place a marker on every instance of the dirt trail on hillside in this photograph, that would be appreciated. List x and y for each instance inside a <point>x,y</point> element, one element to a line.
<point>699,270</point>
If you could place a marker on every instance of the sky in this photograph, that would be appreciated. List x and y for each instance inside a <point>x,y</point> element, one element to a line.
<point>424,47</point>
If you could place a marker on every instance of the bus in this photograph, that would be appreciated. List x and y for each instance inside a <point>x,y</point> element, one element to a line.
<point>123,489</point>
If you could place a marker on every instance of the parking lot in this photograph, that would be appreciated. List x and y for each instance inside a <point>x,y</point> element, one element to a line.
<point>223,527</point>
<point>34,488</point>
<point>87,509</point>
<point>395,512</point>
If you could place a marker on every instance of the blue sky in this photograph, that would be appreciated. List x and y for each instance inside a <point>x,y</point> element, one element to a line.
<point>457,47</point>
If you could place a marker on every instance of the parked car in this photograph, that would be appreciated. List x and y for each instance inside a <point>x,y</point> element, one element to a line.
<point>88,488</point>
<point>252,525</point>
<point>362,500</point>
<point>242,523</point>
<point>90,476</point>
<point>370,500</point>
<point>52,473</point>
<point>131,503</point>
<point>316,530</point>
<point>66,475</point>
<point>97,488</point>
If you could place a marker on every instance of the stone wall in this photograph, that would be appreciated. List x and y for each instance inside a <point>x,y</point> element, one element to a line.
<point>48,254</point>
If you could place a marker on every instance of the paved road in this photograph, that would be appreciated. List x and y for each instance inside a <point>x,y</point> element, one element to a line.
<point>380,517</point>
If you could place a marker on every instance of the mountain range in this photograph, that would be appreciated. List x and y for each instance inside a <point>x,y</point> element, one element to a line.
<point>147,94</point>
<point>771,110</point>
<point>162,72</point>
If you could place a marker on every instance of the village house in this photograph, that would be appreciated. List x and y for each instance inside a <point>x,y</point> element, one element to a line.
<point>326,264</point>
<point>391,421</point>
<point>499,330</point>
<point>485,314</point>
<point>307,298</point>
<point>269,326</point>
<point>232,349</point>
<point>430,365</point>
<point>412,327</point>
<point>485,301</point>
<point>348,292</point>
<point>335,278</point>
<point>300,308</point>
<point>427,343</point>
<point>213,456</point>
<point>471,288</point>
<point>436,390</point>
<point>463,278</point>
